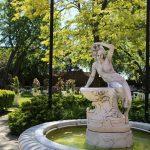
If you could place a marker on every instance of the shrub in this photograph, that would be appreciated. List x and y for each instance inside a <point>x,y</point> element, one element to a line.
<point>60,85</point>
<point>69,107</point>
<point>70,85</point>
<point>36,87</point>
<point>15,85</point>
<point>36,83</point>
<point>74,106</point>
<point>26,93</point>
<point>137,110</point>
<point>29,114</point>
<point>6,99</point>
<point>37,111</point>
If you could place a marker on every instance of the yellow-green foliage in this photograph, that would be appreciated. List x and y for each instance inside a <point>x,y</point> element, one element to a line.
<point>121,22</point>
<point>6,99</point>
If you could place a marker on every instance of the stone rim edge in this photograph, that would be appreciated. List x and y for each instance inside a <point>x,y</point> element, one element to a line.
<point>34,138</point>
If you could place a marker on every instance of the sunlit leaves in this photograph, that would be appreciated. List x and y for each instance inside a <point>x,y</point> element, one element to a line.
<point>31,8</point>
<point>121,23</point>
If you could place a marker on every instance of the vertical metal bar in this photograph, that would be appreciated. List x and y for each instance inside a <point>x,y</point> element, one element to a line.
<point>147,81</point>
<point>51,52</point>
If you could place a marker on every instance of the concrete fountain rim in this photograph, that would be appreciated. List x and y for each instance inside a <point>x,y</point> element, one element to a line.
<point>34,137</point>
<point>95,88</point>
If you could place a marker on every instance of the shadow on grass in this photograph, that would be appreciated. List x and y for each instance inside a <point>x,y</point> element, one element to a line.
<point>4,112</point>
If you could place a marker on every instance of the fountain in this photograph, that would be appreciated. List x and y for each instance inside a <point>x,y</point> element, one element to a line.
<point>106,126</point>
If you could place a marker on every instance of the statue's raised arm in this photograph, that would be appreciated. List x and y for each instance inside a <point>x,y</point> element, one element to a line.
<point>111,50</point>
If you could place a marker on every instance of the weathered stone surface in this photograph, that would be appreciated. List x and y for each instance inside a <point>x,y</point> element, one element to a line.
<point>34,137</point>
<point>105,122</point>
<point>109,140</point>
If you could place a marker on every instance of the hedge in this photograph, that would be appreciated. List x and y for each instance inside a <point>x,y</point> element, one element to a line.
<point>71,106</point>
<point>37,111</point>
<point>6,99</point>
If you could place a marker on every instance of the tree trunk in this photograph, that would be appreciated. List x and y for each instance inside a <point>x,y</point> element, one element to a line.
<point>4,72</point>
<point>10,60</point>
<point>18,63</point>
<point>96,24</point>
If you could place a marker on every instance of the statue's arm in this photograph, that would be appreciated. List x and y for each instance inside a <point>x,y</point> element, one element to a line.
<point>92,76</point>
<point>111,50</point>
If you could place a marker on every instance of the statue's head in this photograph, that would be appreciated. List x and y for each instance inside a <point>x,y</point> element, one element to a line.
<point>98,50</point>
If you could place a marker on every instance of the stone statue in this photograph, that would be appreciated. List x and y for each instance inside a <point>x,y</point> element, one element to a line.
<point>107,127</point>
<point>103,66</point>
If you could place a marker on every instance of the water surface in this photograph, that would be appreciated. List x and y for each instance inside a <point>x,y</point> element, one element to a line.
<point>75,137</point>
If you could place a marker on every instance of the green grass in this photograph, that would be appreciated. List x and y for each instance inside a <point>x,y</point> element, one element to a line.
<point>21,98</point>
<point>24,99</point>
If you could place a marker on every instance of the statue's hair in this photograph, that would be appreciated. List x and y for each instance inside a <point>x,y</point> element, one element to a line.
<point>97,44</point>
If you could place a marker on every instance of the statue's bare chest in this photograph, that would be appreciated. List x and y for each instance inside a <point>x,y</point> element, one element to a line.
<point>104,67</point>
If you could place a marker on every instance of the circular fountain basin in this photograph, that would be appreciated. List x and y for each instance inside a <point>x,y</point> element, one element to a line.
<point>76,137</point>
<point>36,138</point>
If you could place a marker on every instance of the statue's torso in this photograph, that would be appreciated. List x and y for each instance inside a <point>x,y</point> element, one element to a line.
<point>107,72</point>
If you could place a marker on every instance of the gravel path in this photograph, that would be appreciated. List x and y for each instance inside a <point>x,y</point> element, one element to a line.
<point>7,141</point>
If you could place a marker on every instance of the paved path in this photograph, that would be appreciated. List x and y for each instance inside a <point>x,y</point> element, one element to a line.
<point>7,141</point>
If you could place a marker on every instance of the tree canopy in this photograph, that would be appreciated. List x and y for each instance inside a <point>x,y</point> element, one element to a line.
<point>79,23</point>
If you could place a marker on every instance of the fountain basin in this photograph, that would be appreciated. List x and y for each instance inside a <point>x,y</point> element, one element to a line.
<point>34,137</point>
<point>107,127</point>
<point>76,137</point>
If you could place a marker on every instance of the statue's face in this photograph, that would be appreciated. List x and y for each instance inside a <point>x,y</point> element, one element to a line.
<point>96,47</point>
<point>98,51</point>
<point>100,54</point>
<point>94,54</point>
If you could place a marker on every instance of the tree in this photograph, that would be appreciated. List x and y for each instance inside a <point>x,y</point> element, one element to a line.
<point>21,36</point>
<point>33,67</point>
<point>119,22</point>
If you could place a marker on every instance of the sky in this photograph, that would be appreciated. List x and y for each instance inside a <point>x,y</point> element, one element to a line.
<point>68,15</point>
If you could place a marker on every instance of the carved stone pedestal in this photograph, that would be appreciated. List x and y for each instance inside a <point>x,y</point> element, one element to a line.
<point>106,125</point>
<point>109,140</point>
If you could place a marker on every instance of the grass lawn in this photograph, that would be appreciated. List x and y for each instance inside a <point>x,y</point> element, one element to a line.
<point>24,97</point>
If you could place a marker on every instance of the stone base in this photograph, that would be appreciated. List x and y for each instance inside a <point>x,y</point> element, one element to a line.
<point>109,140</point>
